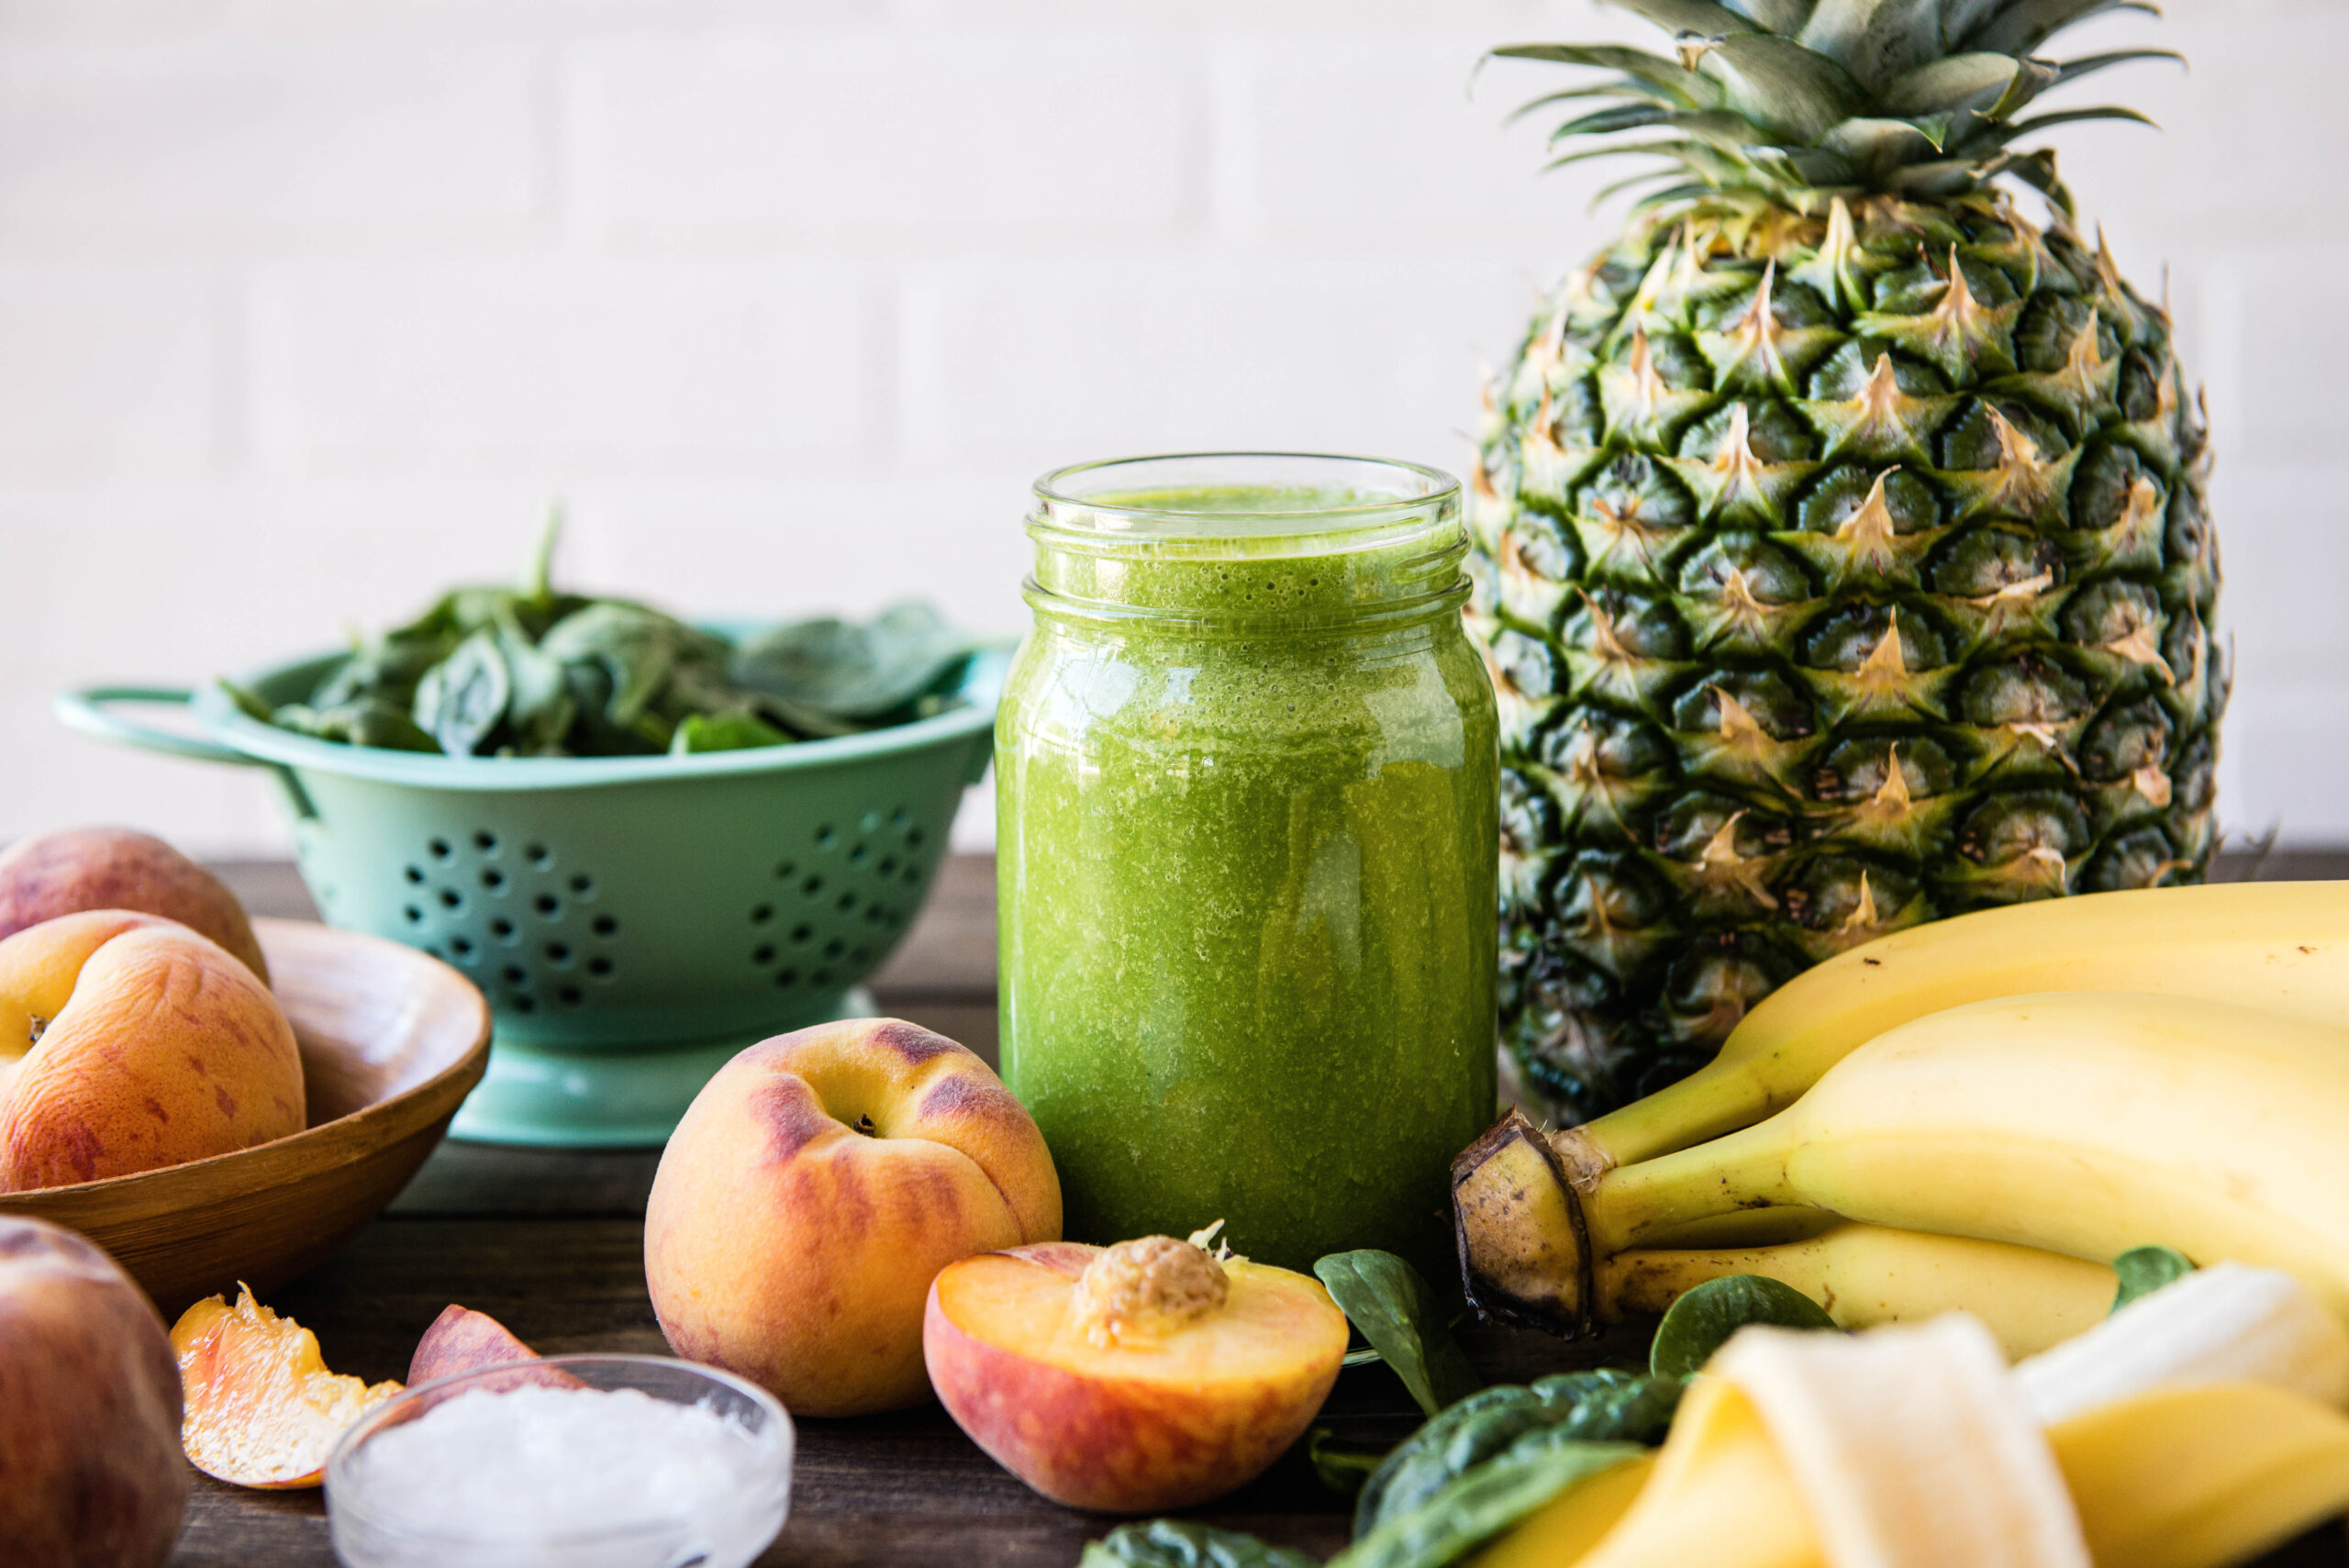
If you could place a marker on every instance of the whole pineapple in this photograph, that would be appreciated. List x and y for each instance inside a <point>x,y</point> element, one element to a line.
<point>1843,561</point>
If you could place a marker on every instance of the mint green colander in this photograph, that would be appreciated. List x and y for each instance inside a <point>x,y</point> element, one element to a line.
<point>634,922</point>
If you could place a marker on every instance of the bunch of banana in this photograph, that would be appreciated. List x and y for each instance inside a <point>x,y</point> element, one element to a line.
<point>2198,1426</point>
<point>2079,1077</point>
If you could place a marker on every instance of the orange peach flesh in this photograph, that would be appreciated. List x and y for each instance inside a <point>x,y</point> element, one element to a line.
<point>263,1409</point>
<point>1146,1423</point>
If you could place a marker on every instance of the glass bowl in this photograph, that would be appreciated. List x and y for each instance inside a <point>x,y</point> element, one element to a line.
<point>538,1481</point>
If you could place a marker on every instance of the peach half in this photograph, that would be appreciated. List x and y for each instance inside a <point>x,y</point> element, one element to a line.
<point>816,1187</point>
<point>74,868</point>
<point>1135,1378</point>
<point>129,1042</point>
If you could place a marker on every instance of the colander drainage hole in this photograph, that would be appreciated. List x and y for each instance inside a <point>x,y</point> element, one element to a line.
<point>439,847</point>
<point>914,837</point>
<point>413,913</point>
<point>547,904</point>
<point>762,955</point>
<point>856,856</point>
<point>825,837</point>
<point>848,904</point>
<point>812,886</point>
<point>898,818</point>
<point>801,933</point>
<point>601,968</point>
<point>415,874</point>
<point>493,880</point>
<point>537,855</point>
<point>557,952</point>
<point>516,974</point>
<point>486,842</point>
<point>784,871</point>
<point>461,946</point>
<point>786,978</point>
<point>502,928</point>
<point>584,885</point>
<point>451,898</point>
<point>763,914</point>
<point>834,948</point>
<point>888,866</point>
<point>605,926</point>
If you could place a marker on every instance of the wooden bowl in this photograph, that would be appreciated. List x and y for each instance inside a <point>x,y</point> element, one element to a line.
<point>392,1041</point>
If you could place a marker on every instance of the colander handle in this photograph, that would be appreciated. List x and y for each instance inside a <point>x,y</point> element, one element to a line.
<point>91,711</point>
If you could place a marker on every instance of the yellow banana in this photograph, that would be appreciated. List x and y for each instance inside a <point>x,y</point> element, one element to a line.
<point>2191,1477</point>
<point>1869,1274</point>
<point>2085,1123</point>
<point>1560,1532</point>
<point>2280,946</point>
<point>2197,1476</point>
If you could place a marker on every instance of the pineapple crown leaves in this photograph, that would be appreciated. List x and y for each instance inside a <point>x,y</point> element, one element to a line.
<point>1790,101</point>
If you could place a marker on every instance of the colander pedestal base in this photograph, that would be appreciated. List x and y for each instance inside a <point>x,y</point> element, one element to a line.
<point>551,1099</point>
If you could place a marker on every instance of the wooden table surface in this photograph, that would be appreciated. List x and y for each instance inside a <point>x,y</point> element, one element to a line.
<point>551,1243</point>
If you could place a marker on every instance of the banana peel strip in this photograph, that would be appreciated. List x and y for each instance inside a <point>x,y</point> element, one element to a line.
<point>2225,1323</point>
<point>1909,1447</point>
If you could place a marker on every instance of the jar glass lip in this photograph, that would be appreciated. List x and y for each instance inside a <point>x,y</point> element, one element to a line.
<point>1241,495</point>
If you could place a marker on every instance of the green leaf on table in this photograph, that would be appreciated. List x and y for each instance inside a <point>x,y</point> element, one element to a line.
<point>851,672</point>
<point>463,697</point>
<point>1480,1503</point>
<point>1390,1305</point>
<point>724,732</point>
<point>1600,1405</point>
<point>2144,1269</point>
<point>1341,1468</point>
<point>1701,1321</point>
<point>1181,1543</point>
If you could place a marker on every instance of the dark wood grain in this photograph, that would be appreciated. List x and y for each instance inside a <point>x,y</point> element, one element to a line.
<point>551,1244</point>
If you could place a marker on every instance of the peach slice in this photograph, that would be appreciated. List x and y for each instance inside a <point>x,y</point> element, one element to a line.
<point>263,1409</point>
<point>462,1339</point>
<point>1149,1376</point>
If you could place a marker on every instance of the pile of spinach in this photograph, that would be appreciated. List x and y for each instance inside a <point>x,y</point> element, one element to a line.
<point>1486,1458</point>
<point>531,672</point>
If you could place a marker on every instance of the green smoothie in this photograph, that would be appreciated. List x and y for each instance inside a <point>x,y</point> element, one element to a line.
<point>1247,779</point>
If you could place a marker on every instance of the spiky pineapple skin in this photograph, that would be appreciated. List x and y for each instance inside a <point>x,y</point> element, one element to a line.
<point>1824,598</point>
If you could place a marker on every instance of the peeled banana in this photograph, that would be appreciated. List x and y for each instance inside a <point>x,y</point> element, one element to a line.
<point>1865,1275</point>
<point>2082,1122</point>
<point>2282,946</point>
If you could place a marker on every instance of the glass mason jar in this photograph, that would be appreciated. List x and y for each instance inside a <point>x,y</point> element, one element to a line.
<point>1247,775</point>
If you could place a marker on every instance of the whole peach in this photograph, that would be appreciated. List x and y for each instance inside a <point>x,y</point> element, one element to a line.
<point>129,1042</point>
<point>75,869</point>
<point>91,1475</point>
<point>814,1186</point>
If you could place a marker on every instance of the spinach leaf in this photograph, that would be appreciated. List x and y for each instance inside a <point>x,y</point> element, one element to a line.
<point>1180,1544</point>
<point>1479,1504</point>
<point>1390,1305</point>
<point>852,671</point>
<point>1597,1406</point>
<point>463,697</point>
<point>2144,1269</point>
<point>725,732</point>
<point>1701,1321</point>
<point>1342,1470</point>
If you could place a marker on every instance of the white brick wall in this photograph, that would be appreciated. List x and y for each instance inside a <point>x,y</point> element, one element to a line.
<point>306,310</point>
